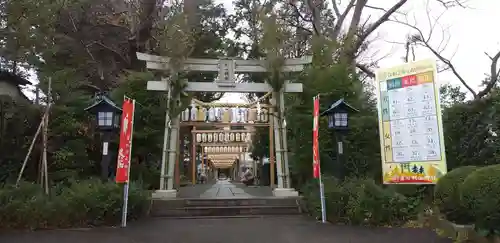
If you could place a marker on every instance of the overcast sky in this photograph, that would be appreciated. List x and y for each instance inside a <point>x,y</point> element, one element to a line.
<point>470,33</point>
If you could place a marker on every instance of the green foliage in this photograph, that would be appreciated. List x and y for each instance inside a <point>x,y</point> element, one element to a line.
<point>149,118</point>
<point>479,194</point>
<point>451,95</point>
<point>333,82</point>
<point>18,123</point>
<point>373,205</point>
<point>146,175</point>
<point>360,202</point>
<point>417,193</point>
<point>74,149</point>
<point>471,132</point>
<point>260,146</point>
<point>447,195</point>
<point>273,40</point>
<point>83,203</point>
<point>335,198</point>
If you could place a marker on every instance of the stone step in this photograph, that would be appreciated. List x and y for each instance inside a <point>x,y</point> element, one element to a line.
<point>271,201</point>
<point>225,211</point>
<point>200,202</point>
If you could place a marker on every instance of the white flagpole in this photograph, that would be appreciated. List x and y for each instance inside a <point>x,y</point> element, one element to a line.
<point>322,197</point>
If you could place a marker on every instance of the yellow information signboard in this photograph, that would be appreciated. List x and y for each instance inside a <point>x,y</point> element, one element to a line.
<point>410,124</point>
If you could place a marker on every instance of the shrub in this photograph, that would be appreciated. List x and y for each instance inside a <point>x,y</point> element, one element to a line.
<point>360,202</point>
<point>447,195</point>
<point>24,207</point>
<point>96,203</point>
<point>148,176</point>
<point>371,204</point>
<point>417,192</point>
<point>480,194</point>
<point>312,200</point>
<point>83,203</point>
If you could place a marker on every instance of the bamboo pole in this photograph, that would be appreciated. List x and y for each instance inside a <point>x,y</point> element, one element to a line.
<point>30,149</point>
<point>45,138</point>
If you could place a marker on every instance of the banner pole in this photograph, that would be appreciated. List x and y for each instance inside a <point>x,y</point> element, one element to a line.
<point>320,180</point>
<point>127,183</point>
<point>125,204</point>
<point>322,198</point>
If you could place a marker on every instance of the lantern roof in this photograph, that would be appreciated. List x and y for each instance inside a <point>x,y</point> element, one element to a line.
<point>101,99</point>
<point>339,105</point>
<point>13,78</point>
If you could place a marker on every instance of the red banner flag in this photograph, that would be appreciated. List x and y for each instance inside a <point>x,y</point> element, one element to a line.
<point>125,149</point>
<point>316,166</point>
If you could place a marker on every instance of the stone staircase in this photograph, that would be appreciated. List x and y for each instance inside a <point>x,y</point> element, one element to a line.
<point>225,207</point>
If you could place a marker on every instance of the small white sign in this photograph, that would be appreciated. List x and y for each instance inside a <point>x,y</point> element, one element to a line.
<point>105,148</point>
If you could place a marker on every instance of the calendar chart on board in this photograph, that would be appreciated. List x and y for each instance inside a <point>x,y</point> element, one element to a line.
<point>410,123</point>
<point>410,119</point>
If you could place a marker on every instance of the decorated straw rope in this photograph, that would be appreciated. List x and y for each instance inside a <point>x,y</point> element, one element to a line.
<point>249,105</point>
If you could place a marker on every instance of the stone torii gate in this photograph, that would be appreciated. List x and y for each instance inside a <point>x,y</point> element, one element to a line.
<point>226,69</point>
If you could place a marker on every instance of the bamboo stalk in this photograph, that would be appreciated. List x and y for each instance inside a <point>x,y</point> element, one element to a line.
<point>45,138</point>
<point>30,149</point>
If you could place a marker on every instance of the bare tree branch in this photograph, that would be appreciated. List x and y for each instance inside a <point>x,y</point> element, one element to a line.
<point>297,12</point>
<point>379,22</point>
<point>420,38</point>
<point>453,3</point>
<point>340,17</point>
<point>118,54</point>
<point>316,21</point>
<point>494,75</point>
<point>366,70</point>
<point>425,41</point>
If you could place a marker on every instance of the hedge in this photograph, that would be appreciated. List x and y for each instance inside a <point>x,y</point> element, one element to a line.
<point>447,195</point>
<point>480,194</point>
<point>360,202</point>
<point>82,204</point>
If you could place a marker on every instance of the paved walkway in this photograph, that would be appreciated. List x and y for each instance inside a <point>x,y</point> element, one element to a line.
<point>224,189</point>
<point>275,229</point>
<point>290,229</point>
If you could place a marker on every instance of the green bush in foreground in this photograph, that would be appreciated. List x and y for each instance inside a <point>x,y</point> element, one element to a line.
<point>480,194</point>
<point>360,202</point>
<point>335,198</point>
<point>84,203</point>
<point>447,195</point>
<point>371,204</point>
